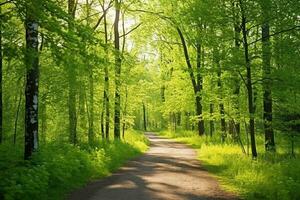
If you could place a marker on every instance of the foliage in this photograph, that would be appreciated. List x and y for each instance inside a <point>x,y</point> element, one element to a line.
<point>58,167</point>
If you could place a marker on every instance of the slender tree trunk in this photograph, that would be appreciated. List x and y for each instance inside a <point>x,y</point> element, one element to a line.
<point>267,83</point>
<point>211,121</point>
<point>163,100</point>
<point>199,83</point>
<point>118,62</point>
<point>248,82</point>
<point>17,117</point>
<point>174,121</point>
<point>178,119</point>
<point>31,88</point>
<point>236,92</point>
<point>144,117</point>
<point>200,123</point>
<point>91,84</point>
<point>91,118</point>
<point>1,66</point>
<point>82,119</point>
<point>105,112</point>
<point>236,122</point>
<point>211,112</point>
<point>125,113</point>
<point>106,96</point>
<point>221,104</point>
<point>72,86</point>
<point>43,120</point>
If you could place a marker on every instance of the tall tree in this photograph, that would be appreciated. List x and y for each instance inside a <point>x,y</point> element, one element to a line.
<point>236,90</point>
<point>106,100</point>
<point>248,81</point>
<point>220,91</point>
<point>72,83</point>
<point>32,81</point>
<point>118,63</point>
<point>144,117</point>
<point>1,66</point>
<point>90,67</point>
<point>197,80</point>
<point>267,79</point>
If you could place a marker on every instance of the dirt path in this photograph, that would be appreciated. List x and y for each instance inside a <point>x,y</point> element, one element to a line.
<point>168,171</point>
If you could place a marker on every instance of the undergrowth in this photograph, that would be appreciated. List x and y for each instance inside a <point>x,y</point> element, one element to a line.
<point>270,177</point>
<point>57,167</point>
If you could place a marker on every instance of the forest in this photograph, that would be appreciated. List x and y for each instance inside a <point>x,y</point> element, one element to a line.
<point>81,81</point>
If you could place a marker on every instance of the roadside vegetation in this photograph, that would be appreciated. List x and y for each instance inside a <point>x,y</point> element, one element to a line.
<point>59,167</point>
<point>271,176</point>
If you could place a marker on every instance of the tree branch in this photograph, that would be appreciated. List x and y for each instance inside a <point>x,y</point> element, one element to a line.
<point>276,33</point>
<point>243,78</point>
<point>131,30</point>
<point>187,59</point>
<point>104,13</point>
<point>5,2</point>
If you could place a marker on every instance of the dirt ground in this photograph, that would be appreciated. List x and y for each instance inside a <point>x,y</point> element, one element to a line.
<point>168,171</point>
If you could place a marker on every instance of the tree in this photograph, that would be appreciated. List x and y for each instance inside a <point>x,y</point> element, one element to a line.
<point>248,81</point>
<point>267,82</point>
<point>197,83</point>
<point>72,83</point>
<point>118,63</point>
<point>32,81</point>
<point>1,69</point>
<point>220,91</point>
<point>106,104</point>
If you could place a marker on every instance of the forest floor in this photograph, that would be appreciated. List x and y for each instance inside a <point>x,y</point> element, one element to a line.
<point>168,171</point>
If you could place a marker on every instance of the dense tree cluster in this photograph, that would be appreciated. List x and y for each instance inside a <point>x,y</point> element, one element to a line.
<point>218,67</point>
<point>236,58</point>
<point>61,68</point>
<point>82,72</point>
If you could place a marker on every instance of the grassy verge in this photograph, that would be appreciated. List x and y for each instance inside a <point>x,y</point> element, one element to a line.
<point>58,168</point>
<point>271,176</point>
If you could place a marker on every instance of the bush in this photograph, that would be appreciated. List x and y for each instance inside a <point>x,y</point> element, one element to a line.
<point>58,167</point>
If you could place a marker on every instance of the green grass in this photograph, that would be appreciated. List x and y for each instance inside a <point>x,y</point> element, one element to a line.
<point>59,168</point>
<point>271,176</point>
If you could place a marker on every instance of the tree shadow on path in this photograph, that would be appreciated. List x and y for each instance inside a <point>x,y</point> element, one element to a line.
<point>168,171</point>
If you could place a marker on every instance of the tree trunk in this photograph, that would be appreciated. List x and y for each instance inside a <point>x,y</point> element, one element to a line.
<point>125,113</point>
<point>144,117</point>
<point>199,88</point>
<point>211,121</point>
<point>236,91</point>
<point>118,62</point>
<point>1,66</point>
<point>105,111</point>
<point>17,117</point>
<point>91,83</point>
<point>200,122</point>
<point>178,119</point>
<point>72,86</point>
<point>267,79</point>
<point>43,120</point>
<point>31,88</point>
<point>221,104</point>
<point>248,83</point>
<point>174,121</point>
<point>197,85</point>
<point>91,118</point>
<point>163,100</point>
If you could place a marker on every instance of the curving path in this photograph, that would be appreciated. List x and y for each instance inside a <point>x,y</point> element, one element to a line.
<point>168,171</point>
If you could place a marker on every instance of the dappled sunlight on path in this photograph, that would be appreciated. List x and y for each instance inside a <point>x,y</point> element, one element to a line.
<point>168,171</point>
